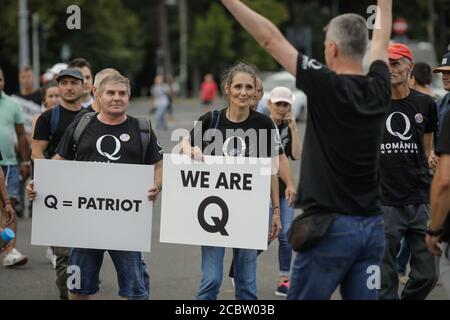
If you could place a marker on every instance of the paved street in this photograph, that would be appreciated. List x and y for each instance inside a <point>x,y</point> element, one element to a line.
<point>174,269</point>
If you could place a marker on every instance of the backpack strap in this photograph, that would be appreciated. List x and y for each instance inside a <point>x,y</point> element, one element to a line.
<point>145,129</point>
<point>54,121</point>
<point>215,118</point>
<point>81,127</point>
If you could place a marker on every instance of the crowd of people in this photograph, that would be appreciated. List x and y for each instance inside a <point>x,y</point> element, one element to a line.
<point>375,163</point>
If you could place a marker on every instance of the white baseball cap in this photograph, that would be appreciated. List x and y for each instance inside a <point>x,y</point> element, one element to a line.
<point>281,94</point>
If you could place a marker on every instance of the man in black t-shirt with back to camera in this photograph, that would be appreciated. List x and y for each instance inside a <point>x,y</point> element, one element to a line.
<point>405,180</point>
<point>340,163</point>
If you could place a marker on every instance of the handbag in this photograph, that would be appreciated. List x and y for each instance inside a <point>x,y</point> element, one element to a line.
<point>307,230</point>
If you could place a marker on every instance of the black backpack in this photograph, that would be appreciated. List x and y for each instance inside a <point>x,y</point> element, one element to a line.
<point>145,129</point>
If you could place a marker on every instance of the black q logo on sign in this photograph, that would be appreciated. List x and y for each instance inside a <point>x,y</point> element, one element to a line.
<point>51,202</point>
<point>219,224</point>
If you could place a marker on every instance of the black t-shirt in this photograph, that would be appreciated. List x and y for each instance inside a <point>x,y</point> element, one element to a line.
<point>444,141</point>
<point>1,158</point>
<point>404,171</point>
<point>286,142</point>
<point>83,112</point>
<point>340,161</point>
<point>109,143</point>
<point>43,128</point>
<point>89,109</point>
<point>35,97</point>
<point>256,136</point>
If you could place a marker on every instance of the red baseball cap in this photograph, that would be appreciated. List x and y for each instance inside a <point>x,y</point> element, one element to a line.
<point>397,51</point>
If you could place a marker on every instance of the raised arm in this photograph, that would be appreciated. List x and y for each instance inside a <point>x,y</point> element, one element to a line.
<point>382,34</point>
<point>265,33</point>
<point>440,202</point>
<point>24,149</point>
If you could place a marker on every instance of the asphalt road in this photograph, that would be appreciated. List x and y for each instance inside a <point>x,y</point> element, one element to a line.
<point>174,269</point>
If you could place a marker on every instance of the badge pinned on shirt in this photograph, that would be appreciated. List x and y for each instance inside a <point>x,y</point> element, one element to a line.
<point>419,118</point>
<point>125,137</point>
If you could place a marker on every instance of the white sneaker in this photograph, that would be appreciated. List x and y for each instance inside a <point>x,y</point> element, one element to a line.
<point>14,258</point>
<point>51,256</point>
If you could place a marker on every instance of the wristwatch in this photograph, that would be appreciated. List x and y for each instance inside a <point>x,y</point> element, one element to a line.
<point>434,233</point>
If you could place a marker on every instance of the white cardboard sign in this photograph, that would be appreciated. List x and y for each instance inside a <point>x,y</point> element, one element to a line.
<point>225,205</point>
<point>92,205</point>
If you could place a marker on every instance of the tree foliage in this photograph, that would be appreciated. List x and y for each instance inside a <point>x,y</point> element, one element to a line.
<point>210,45</point>
<point>124,33</point>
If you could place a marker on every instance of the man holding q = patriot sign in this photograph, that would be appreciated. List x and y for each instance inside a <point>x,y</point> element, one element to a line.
<point>110,136</point>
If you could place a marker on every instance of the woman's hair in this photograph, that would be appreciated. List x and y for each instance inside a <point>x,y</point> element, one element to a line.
<point>239,67</point>
<point>47,86</point>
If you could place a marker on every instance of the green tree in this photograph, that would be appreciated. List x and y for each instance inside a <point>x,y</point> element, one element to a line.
<point>251,51</point>
<point>109,37</point>
<point>210,44</point>
<point>110,34</point>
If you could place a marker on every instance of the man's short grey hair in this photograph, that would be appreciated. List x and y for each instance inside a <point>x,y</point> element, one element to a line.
<point>102,74</point>
<point>115,78</point>
<point>349,32</point>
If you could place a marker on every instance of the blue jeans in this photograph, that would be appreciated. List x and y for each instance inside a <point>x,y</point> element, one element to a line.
<point>132,272</point>
<point>161,117</point>
<point>12,179</point>
<point>244,265</point>
<point>284,249</point>
<point>344,257</point>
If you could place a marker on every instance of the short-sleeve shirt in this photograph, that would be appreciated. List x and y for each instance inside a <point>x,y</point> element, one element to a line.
<point>286,141</point>
<point>444,142</point>
<point>256,136</point>
<point>208,91</point>
<point>109,143</point>
<point>405,177</point>
<point>10,116</point>
<point>43,132</point>
<point>340,161</point>
<point>35,97</point>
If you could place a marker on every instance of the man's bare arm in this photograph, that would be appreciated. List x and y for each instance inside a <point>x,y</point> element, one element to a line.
<point>266,34</point>
<point>440,193</point>
<point>382,35</point>
<point>23,142</point>
<point>428,144</point>
<point>158,174</point>
<point>38,148</point>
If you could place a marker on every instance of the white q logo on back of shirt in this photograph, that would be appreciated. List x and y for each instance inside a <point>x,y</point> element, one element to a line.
<point>398,134</point>
<point>111,157</point>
